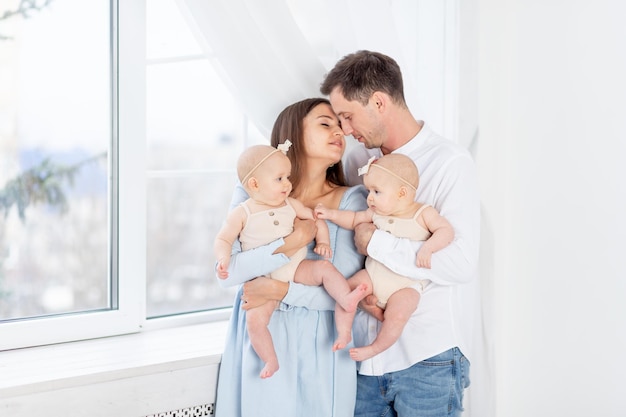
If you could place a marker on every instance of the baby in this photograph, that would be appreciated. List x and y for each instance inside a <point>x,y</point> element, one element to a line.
<point>392,182</point>
<point>268,215</point>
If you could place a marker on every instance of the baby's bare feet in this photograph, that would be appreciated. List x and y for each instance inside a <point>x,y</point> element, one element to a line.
<point>269,369</point>
<point>362,353</point>
<point>342,341</point>
<point>351,301</point>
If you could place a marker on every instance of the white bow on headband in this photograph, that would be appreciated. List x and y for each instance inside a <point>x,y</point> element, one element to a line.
<point>366,168</point>
<point>284,147</point>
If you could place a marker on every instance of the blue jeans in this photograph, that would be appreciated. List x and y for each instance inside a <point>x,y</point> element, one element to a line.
<point>431,388</point>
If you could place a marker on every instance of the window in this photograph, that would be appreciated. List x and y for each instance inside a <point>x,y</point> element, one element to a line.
<point>56,134</point>
<point>195,132</point>
<point>139,138</point>
<point>56,164</point>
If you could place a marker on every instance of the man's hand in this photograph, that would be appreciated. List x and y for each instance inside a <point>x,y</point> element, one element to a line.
<point>362,235</point>
<point>368,304</point>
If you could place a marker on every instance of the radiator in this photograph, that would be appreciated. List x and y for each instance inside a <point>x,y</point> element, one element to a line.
<point>196,411</point>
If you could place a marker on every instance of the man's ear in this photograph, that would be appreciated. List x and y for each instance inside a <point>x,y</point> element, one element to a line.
<point>380,100</point>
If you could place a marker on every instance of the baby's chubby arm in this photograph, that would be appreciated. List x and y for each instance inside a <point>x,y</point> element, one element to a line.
<point>344,218</point>
<point>322,237</point>
<point>223,245</point>
<point>442,234</point>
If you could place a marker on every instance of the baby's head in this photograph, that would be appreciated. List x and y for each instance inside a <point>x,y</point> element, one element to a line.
<point>264,173</point>
<point>392,181</point>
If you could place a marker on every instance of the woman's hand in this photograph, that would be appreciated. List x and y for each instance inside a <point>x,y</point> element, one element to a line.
<point>304,231</point>
<point>260,290</point>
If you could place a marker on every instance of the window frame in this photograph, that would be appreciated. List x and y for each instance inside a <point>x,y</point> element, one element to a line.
<point>127,231</point>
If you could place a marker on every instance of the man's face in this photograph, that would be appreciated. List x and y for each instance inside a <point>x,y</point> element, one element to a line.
<point>362,122</point>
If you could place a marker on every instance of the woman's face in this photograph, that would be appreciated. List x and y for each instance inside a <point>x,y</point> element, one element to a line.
<point>323,137</point>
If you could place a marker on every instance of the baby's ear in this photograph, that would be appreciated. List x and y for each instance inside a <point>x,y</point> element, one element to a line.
<point>252,183</point>
<point>402,192</point>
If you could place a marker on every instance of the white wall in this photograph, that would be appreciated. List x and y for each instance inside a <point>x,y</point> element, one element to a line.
<point>551,155</point>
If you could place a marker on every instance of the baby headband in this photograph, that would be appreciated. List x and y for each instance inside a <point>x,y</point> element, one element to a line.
<point>283,147</point>
<point>371,162</point>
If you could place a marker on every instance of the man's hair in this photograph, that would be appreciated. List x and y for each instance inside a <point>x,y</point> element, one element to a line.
<point>360,74</point>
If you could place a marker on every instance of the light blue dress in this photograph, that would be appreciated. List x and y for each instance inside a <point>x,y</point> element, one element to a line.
<point>313,380</point>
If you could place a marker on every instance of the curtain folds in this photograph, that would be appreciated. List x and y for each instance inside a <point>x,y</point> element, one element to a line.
<point>259,51</point>
<point>290,45</point>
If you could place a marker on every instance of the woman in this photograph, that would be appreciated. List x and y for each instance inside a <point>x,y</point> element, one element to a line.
<point>312,379</point>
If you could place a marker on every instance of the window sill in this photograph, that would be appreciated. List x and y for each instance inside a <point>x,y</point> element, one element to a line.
<point>45,368</point>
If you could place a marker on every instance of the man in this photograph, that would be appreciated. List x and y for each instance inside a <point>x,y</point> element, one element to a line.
<point>425,372</point>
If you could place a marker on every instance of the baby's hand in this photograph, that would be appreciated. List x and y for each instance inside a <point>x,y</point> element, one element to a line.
<point>423,259</point>
<point>323,250</point>
<point>322,212</point>
<point>222,268</point>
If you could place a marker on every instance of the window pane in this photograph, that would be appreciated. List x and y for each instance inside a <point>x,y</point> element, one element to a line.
<point>55,137</point>
<point>195,133</point>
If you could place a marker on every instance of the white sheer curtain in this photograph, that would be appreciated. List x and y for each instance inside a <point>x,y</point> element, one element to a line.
<point>274,52</point>
<point>258,49</point>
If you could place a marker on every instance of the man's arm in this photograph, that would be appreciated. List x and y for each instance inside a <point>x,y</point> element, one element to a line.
<point>457,200</point>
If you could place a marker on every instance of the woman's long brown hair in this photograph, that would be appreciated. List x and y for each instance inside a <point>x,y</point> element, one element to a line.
<point>290,125</point>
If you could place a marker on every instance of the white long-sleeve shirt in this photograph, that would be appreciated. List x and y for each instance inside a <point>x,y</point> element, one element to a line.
<point>444,316</point>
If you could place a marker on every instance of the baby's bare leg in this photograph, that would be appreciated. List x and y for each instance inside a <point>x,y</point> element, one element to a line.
<point>257,320</point>
<point>343,318</point>
<point>400,306</point>
<point>324,273</point>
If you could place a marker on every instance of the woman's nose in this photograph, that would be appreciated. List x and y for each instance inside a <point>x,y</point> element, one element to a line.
<point>346,128</point>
